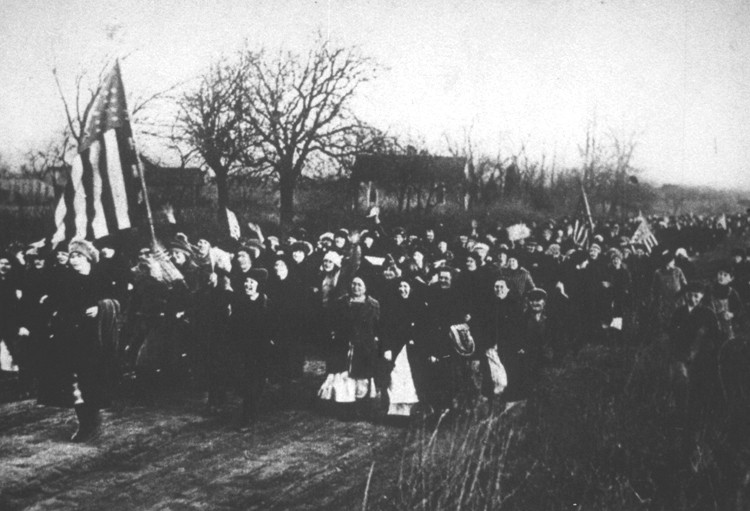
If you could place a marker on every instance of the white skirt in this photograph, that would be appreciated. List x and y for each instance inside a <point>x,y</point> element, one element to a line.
<point>402,395</point>
<point>342,388</point>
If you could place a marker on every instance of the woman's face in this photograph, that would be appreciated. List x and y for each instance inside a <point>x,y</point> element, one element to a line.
<point>62,258</point>
<point>404,289</point>
<point>298,256</point>
<point>513,263</point>
<point>203,247</point>
<point>358,288</point>
<point>328,264</point>
<point>616,262</point>
<point>251,287</point>
<point>244,261</point>
<point>471,264</point>
<point>281,269</point>
<point>4,266</point>
<point>501,289</point>
<point>79,263</point>
<point>418,257</point>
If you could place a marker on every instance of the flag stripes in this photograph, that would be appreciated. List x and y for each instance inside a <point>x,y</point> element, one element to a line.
<point>644,236</point>
<point>96,201</point>
<point>101,192</point>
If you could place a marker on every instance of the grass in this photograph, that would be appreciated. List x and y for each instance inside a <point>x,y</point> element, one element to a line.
<point>601,433</point>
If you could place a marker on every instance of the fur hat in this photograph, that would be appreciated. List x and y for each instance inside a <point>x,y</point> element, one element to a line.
<point>85,248</point>
<point>259,275</point>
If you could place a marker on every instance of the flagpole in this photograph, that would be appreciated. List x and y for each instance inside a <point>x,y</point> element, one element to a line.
<point>588,209</point>
<point>139,168</point>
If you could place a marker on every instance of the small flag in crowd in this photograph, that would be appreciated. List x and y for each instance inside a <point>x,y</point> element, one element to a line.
<point>721,223</point>
<point>234,225</point>
<point>102,191</point>
<point>583,227</point>
<point>644,236</point>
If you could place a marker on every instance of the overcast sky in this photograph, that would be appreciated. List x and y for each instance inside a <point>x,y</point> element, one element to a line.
<point>675,73</point>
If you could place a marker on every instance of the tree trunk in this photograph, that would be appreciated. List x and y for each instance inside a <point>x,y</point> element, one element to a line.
<point>222,192</point>
<point>287,184</point>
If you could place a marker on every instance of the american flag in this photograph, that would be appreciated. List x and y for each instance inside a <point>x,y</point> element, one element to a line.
<point>102,189</point>
<point>644,236</point>
<point>583,227</point>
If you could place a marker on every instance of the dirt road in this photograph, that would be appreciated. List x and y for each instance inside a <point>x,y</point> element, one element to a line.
<point>170,455</point>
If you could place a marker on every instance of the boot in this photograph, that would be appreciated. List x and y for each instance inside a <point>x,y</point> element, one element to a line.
<point>89,424</point>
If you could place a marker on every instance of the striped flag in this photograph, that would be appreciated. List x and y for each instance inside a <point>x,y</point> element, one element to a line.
<point>583,227</point>
<point>644,236</point>
<point>102,189</point>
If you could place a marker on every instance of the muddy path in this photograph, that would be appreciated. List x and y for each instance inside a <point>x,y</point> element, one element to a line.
<point>171,455</point>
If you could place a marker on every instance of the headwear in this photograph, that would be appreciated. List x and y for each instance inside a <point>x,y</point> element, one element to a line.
<point>182,247</point>
<point>596,246</point>
<point>301,246</point>
<point>85,248</point>
<point>259,275</point>
<point>481,248</point>
<point>326,236</point>
<point>681,252</point>
<point>333,256</point>
<point>614,253</point>
<point>341,233</point>
<point>536,294</point>
<point>399,231</point>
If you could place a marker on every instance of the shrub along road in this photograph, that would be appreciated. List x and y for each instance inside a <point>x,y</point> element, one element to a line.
<point>171,456</point>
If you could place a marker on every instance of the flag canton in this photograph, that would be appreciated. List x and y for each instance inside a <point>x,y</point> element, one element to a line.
<point>109,110</point>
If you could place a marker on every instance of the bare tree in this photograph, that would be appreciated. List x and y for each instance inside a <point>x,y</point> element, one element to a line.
<point>296,106</point>
<point>210,123</point>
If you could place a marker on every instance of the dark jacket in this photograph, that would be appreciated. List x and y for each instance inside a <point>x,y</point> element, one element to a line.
<point>355,334</point>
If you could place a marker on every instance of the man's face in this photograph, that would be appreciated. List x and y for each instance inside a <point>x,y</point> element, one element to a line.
<point>398,238</point>
<point>203,247</point>
<point>443,246</point>
<point>501,289</point>
<point>512,263</point>
<point>4,266</point>
<point>723,277</point>
<point>445,279</point>
<point>429,235</point>
<point>244,261</point>
<point>418,257</point>
<point>39,263</point>
<point>281,269</point>
<point>404,289</point>
<point>594,252</point>
<point>694,298</point>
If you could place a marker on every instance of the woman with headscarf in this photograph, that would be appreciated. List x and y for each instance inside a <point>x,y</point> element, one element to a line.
<point>353,357</point>
<point>78,358</point>
<point>403,321</point>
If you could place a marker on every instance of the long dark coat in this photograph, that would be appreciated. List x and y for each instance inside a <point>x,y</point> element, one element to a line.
<point>403,325</point>
<point>354,344</point>
<point>76,363</point>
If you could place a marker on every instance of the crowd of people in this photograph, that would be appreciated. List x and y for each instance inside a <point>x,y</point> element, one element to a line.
<point>421,321</point>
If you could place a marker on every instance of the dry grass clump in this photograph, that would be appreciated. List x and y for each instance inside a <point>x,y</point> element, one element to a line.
<point>602,432</point>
